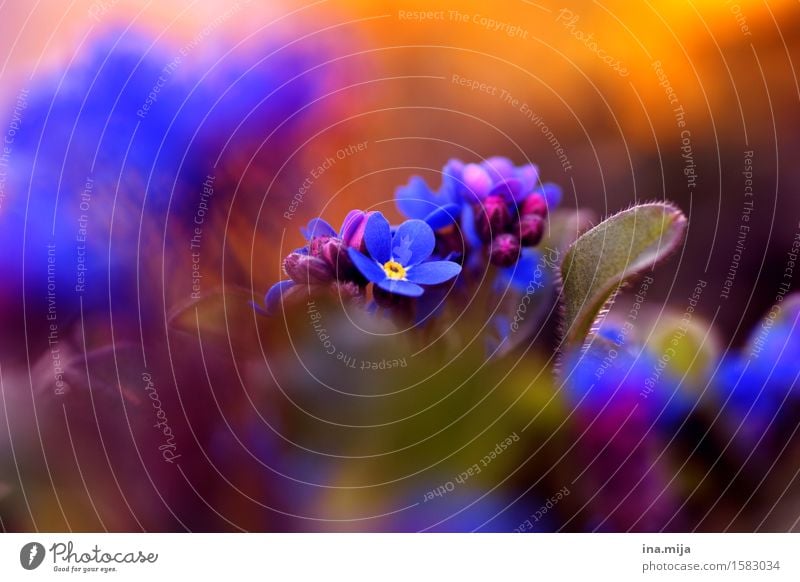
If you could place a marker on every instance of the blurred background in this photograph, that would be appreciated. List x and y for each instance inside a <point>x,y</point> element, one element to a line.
<point>158,161</point>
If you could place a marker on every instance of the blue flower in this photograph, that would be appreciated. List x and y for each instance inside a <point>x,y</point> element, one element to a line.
<point>97,156</point>
<point>438,209</point>
<point>396,262</point>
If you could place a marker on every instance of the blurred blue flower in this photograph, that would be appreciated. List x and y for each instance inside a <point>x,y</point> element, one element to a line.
<point>126,135</point>
<point>464,510</point>
<point>396,259</point>
<point>754,384</point>
<point>615,379</point>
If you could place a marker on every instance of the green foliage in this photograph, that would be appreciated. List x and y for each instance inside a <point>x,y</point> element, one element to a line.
<point>609,255</point>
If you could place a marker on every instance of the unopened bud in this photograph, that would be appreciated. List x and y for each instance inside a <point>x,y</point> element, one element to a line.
<point>334,252</point>
<point>531,230</point>
<point>353,229</point>
<point>307,270</point>
<point>534,204</point>
<point>505,250</point>
<point>493,217</point>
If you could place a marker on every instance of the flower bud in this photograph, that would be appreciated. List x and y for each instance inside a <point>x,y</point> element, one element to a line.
<point>505,250</point>
<point>534,204</point>
<point>307,270</point>
<point>531,230</point>
<point>493,217</point>
<point>353,229</point>
<point>334,252</point>
<point>347,290</point>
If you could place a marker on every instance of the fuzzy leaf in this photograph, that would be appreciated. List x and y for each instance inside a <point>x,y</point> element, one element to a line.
<point>513,326</point>
<point>604,258</point>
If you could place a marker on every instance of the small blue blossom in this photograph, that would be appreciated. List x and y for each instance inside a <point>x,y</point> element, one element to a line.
<point>438,209</point>
<point>396,260</point>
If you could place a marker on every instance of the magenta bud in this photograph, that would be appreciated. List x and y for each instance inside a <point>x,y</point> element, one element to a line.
<point>307,270</point>
<point>534,204</point>
<point>493,217</point>
<point>505,250</point>
<point>334,252</point>
<point>353,229</point>
<point>531,230</point>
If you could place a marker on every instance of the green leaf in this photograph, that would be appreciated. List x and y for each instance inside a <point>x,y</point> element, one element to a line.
<point>525,310</point>
<point>609,255</point>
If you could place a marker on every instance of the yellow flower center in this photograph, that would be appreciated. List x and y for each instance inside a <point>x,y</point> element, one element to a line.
<point>394,270</point>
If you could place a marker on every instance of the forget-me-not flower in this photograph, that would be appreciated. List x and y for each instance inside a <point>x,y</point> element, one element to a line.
<point>397,261</point>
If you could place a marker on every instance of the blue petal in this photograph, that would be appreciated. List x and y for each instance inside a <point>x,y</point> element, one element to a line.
<point>443,216</point>
<point>469,228</point>
<point>378,236</point>
<point>452,181</point>
<point>529,176</point>
<point>499,168</point>
<point>317,227</point>
<point>415,200</point>
<point>433,273</point>
<point>412,243</point>
<point>510,189</point>
<point>272,299</point>
<point>401,287</point>
<point>552,194</point>
<point>502,325</point>
<point>260,310</point>
<point>523,272</point>
<point>369,268</point>
<point>477,182</point>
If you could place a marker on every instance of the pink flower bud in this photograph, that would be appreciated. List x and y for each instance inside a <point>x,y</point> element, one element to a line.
<point>531,230</point>
<point>334,252</point>
<point>353,229</point>
<point>307,270</point>
<point>493,217</point>
<point>505,250</point>
<point>534,204</point>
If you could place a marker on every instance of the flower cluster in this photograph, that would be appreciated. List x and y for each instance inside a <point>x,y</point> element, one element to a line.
<point>501,208</point>
<point>482,213</point>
